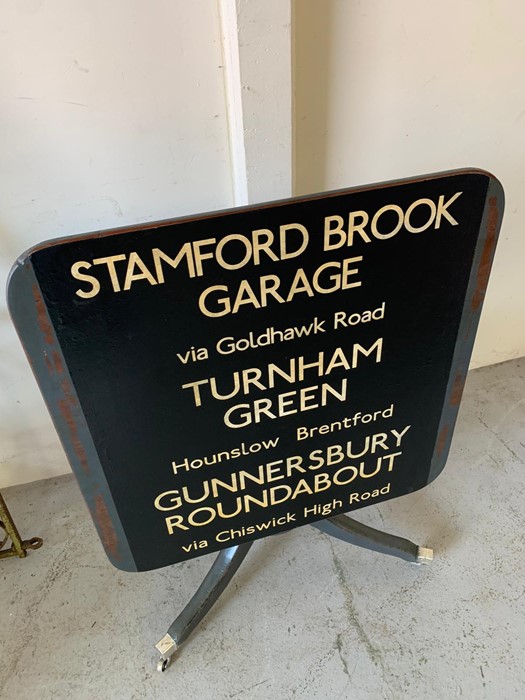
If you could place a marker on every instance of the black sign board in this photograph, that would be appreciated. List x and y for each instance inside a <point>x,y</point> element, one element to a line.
<point>220,378</point>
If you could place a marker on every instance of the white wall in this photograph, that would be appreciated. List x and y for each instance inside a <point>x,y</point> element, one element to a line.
<point>393,89</point>
<point>110,113</point>
<point>258,54</point>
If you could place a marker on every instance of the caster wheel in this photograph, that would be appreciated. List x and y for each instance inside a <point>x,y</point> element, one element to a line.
<point>163,665</point>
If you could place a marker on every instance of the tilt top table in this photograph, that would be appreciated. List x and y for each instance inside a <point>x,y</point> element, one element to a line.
<point>220,378</point>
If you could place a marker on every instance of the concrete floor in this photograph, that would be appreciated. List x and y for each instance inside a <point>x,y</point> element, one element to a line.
<point>306,616</point>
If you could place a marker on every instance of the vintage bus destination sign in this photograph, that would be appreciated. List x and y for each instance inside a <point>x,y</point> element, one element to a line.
<point>224,377</point>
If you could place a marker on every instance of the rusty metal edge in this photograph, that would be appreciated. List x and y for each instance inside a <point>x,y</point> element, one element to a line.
<point>38,338</point>
<point>478,281</point>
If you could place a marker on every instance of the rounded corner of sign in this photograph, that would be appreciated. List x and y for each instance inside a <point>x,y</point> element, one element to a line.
<point>22,261</point>
<point>127,565</point>
<point>12,280</point>
<point>438,465</point>
<point>26,257</point>
<point>18,285</point>
<point>496,190</point>
<point>495,187</point>
<point>477,172</point>
<point>20,272</point>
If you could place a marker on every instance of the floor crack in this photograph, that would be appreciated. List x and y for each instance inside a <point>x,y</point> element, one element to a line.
<point>373,652</point>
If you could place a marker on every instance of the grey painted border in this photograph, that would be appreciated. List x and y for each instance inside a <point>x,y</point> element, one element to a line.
<point>478,280</point>
<point>40,343</point>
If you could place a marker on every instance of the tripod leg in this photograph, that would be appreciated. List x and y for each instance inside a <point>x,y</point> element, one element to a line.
<point>214,583</point>
<point>354,532</point>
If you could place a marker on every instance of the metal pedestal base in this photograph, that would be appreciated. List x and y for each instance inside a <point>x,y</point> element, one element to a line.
<point>215,581</point>
<point>229,560</point>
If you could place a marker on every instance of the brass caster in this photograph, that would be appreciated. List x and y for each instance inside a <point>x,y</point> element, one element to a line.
<point>163,664</point>
<point>425,555</point>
